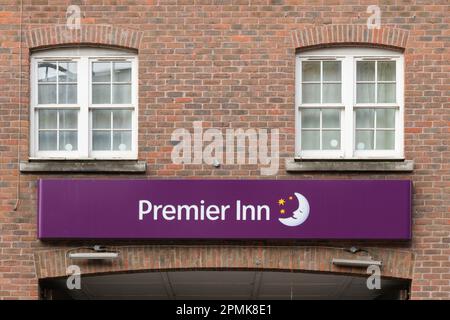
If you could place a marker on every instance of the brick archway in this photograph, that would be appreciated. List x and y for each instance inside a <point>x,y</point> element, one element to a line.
<point>346,34</point>
<point>397,263</point>
<point>60,35</point>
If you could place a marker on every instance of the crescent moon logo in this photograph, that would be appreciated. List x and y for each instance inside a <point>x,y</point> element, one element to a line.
<point>298,216</point>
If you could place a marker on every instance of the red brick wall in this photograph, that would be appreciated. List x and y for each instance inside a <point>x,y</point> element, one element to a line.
<point>230,63</point>
<point>212,256</point>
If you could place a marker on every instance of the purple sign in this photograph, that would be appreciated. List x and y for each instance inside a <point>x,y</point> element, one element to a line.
<point>225,209</point>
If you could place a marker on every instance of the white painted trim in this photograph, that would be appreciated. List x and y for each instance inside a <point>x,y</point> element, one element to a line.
<point>84,58</point>
<point>350,51</point>
<point>348,57</point>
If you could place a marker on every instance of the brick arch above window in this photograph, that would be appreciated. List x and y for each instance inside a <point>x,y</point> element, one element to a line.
<point>107,35</point>
<point>349,34</point>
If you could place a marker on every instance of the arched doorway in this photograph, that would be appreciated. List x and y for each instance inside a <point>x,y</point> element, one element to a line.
<point>224,272</point>
<point>224,284</point>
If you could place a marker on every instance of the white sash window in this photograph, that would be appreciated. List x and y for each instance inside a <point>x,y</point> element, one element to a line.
<point>84,104</point>
<point>349,104</point>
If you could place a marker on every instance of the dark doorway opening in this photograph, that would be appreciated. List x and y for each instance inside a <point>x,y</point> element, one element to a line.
<point>223,285</point>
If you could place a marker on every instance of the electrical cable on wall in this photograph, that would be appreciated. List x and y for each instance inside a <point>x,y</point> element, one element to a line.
<point>20,108</point>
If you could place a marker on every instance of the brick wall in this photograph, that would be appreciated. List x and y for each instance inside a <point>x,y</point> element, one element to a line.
<point>229,63</point>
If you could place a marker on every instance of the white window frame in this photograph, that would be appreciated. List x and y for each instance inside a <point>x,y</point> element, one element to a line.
<point>84,58</point>
<point>348,57</point>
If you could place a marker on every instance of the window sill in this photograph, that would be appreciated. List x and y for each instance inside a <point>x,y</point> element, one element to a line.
<point>356,165</point>
<point>83,166</point>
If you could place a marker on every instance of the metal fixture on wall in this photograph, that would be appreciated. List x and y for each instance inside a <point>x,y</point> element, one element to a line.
<point>95,253</point>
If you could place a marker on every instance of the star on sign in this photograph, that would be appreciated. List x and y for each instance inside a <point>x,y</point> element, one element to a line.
<point>290,198</point>
<point>281,202</point>
<point>282,211</point>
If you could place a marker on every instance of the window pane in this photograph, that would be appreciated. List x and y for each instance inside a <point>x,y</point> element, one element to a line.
<point>101,140</point>
<point>365,118</point>
<point>310,118</point>
<point>68,140</point>
<point>67,72</point>
<point>47,140</point>
<point>385,140</point>
<point>101,93</point>
<point>386,70</point>
<point>46,93</point>
<point>365,93</point>
<point>101,72</point>
<point>68,119</point>
<point>332,71</point>
<point>385,118</point>
<point>311,71</point>
<point>310,140</point>
<point>331,140</point>
<point>47,72</point>
<point>386,93</point>
<point>364,140</point>
<point>122,140</point>
<point>365,71</point>
<point>122,119</point>
<point>331,118</point>
<point>67,94</point>
<point>48,119</point>
<point>331,92</point>
<point>121,93</point>
<point>122,72</point>
<point>101,119</point>
<point>310,93</point>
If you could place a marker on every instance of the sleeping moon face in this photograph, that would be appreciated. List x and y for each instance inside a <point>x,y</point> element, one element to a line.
<point>298,216</point>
